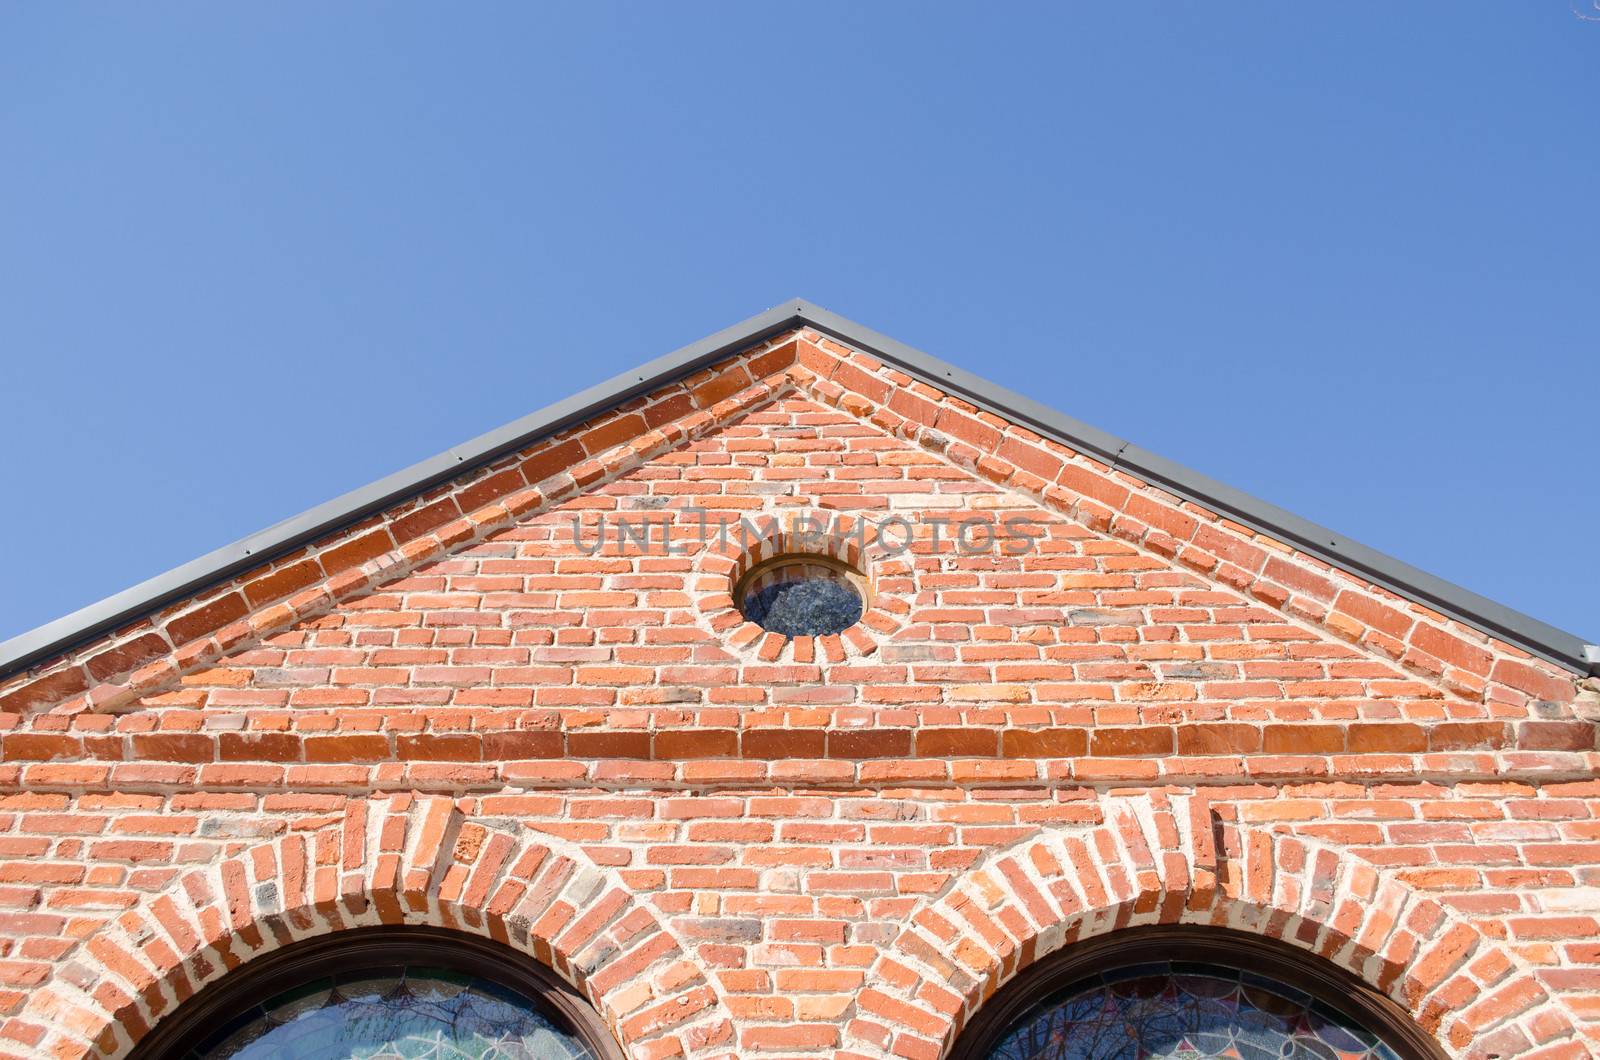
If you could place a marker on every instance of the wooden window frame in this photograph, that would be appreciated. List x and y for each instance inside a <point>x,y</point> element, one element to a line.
<point>1315,976</point>
<point>361,949</point>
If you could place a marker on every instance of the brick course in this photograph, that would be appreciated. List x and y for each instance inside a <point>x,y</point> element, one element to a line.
<point>461,712</point>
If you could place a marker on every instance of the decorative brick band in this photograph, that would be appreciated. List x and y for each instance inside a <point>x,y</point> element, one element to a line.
<point>397,860</point>
<point>1158,860</point>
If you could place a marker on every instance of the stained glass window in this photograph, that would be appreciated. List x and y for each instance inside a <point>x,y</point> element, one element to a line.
<point>802,596</point>
<point>405,1013</point>
<point>1176,1010</point>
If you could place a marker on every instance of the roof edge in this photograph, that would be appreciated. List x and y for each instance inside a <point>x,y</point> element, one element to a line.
<point>54,638</point>
<point>1524,631</point>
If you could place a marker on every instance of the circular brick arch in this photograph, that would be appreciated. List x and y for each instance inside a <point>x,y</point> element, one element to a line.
<point>734,549</point>
<point>396,860</point>
<point>1161,860</point>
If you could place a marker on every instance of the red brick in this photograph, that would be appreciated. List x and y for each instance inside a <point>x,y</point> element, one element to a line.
<point>1388,737</point>
<point>1556,736</point>
<point>512,746</point>
<point>276,584</point>
<point>1466,735</point>
<point>724,383</point>
<point>612,432</point>
<point>1369,612</point>
<point>783,743</point>
<point>175,747</point>
<point>957,743</point>
<point>672,407</point>
<point>354,553</point>
<point>207,619</point>
<point>425,520</point>
<point>436,747</point>
<point>489,489</point>
<point>39,747</point>
<point>1044,743</point>
<point>1300,738</point>
<point>1452,650</point>
<point>870,743</point>
<point>1154,740</point>
<point>258,747</point>
<point>369,748</point>
<point>608,744</point>
<point>46,690</point>
<point>1218,739</point>
<point>127,656</point>
<point>547,462</point>
<point>675,745</point>
<point>1535,682</point>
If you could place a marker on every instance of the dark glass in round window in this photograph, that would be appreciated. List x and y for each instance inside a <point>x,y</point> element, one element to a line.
<point>396,1013</point>
<point>1178,1010</point>
<point>802,597</point>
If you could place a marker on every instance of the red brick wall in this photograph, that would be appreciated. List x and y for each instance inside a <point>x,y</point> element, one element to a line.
<point>454,714</point>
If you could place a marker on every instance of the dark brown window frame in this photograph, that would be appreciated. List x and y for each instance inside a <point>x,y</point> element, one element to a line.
<point>1316,976</point>
<point>358,949</point>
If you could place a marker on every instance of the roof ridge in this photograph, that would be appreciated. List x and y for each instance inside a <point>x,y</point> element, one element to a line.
<point>1504,623</point>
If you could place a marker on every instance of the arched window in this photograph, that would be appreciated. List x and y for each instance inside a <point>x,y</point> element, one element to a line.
<point>1190,993</point>
<point>384,993</point>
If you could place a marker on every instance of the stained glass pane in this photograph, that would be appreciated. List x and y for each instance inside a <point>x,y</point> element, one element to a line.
<point>1182,1011</point>
<point>802,598</point>
<point>401,1013</point>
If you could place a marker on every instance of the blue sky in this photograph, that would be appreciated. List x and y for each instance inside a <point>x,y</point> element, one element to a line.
<point>1340,256</point>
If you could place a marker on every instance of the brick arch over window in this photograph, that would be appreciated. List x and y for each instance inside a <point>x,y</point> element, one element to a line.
<point>1161,860</point>
<point>396,860</point>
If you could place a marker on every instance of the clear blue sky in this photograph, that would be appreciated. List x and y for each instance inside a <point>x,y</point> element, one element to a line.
<point>1343,256</point>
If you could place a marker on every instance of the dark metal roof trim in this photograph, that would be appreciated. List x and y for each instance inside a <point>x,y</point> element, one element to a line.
<point>1481,613</point>
<point>1477,611</point>
<point>148,596</point>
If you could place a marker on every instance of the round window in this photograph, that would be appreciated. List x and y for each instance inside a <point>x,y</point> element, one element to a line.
<point>802,596</point>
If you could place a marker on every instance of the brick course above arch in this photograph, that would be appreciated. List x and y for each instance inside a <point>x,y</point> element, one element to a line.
<point>394,860</point>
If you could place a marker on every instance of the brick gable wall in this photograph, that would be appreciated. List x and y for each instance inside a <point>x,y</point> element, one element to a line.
<point>835,847</point>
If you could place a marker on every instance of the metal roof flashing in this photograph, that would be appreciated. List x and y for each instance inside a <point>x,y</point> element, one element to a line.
<point>1523,631</point>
